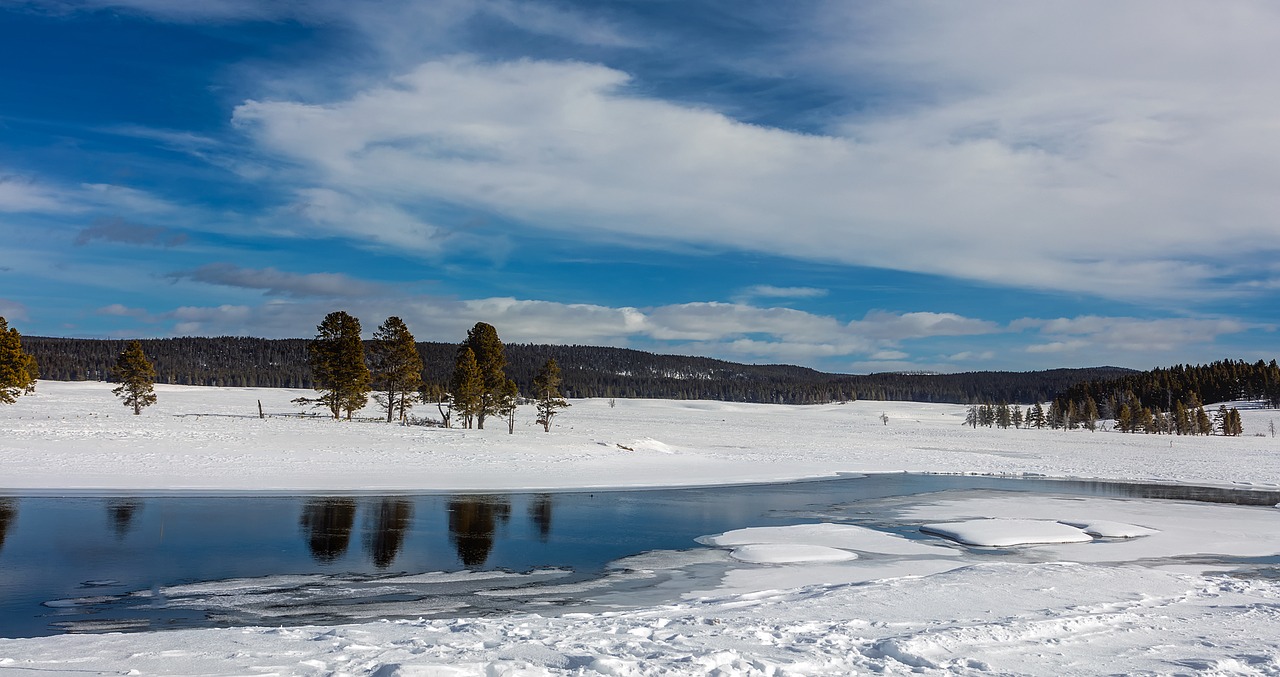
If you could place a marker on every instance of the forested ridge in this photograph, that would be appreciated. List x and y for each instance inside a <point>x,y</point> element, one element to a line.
<point>1164,389</point>
<point>587,371</point>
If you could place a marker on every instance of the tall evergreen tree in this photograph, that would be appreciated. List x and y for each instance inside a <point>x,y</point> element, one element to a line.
<point>137,378</point>
<point>491,359</point>
<point>396,366</point>
<point>466,386</point>
<point>18,372</point>
<point>546,386</point>
<point>336,356</point>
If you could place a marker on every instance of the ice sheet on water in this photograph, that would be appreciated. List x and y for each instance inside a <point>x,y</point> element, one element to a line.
<point>999,533</point>
<point>789,553</point>
<point>841,536</point>
<point>1110,529</point>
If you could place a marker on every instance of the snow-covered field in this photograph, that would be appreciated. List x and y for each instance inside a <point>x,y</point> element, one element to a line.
<point>1092,585</point>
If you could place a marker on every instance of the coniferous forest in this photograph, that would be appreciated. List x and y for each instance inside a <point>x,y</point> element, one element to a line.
<point>586,371</point>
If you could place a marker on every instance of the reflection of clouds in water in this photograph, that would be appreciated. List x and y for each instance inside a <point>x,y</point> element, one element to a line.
<point>327,523</point>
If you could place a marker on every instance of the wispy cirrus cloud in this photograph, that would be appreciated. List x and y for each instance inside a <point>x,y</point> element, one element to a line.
<point>1092,332</point>
<point>768,291</point>
<point>279,283</point>
<point>118,230</point>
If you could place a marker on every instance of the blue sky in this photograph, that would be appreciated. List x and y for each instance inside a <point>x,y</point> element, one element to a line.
<point>853,186</point>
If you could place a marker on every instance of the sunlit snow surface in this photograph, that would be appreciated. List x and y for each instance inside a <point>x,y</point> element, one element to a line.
<point>1155,587</point>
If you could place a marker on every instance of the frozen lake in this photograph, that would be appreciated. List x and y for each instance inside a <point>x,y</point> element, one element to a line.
<point>106,563</point>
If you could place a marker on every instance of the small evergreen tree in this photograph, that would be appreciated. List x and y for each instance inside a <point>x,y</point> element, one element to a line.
<point>137,378</point>
<point>1035,416</point>
<point>971,417</point>
<point>547,387</point>
<point>1203,425</point>
<point>1234,424</point>
<point>1017,417</point>
<point>396,367</point>
<point>337,363</point>
<point>18,371</point>
<point>508,399</point>
<point>1124,419</point>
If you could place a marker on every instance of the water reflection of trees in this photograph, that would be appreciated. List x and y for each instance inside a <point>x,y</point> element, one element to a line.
<point>121,511</point>
<point>385,536</point>
<point>8,511</point>
<point>472,523</point>
<point>327,523</point>
<point>540,513</point>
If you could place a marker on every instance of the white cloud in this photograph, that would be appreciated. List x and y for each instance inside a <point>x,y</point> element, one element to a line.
<point>19,194</point>
<point>121,310</point>
<point>281,283</point>
<point>12,310</point>
<point>1110,334</point>
<point>898,326</point>
<point>1127,157</point>
<point>771,292</point>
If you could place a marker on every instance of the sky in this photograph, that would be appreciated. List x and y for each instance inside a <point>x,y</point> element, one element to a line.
<point>855,186</point>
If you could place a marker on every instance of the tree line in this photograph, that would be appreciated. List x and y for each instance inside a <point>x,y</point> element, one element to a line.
<point>586,371</point>
<point>1171,400</point>
<point>1183,420</point>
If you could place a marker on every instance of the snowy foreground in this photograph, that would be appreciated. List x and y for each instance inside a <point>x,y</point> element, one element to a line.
<point>1091,585</point>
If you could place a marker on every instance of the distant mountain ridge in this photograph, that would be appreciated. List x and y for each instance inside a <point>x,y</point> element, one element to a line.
<point>588,371</point>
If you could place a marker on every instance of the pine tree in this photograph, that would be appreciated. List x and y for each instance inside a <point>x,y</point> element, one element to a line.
<point>492,361</point>
<point>1203,425</point>
<point>396,366</point>
<point>18,371</point>
<point>337,363</point>
<point>547,387</point>
<point>1017,417</point>
<point>136,377</point>
<point>508,399</point>
<point>466,386</point>
<point>1035,416</point>
<point>1234,422</point>
<point>1089,414</point>
<point>971,417</point>
<point>1124,419</point>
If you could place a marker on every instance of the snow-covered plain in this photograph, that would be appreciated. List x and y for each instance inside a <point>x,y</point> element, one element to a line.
<point>1137,595</point>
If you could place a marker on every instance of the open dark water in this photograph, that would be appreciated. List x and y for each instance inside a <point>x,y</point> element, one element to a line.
<point>94,563</point>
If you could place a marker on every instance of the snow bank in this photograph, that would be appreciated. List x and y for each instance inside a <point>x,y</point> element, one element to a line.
<point>78,436</point>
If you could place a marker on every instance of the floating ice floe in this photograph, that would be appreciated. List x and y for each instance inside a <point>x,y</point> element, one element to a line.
<point>999,533</point>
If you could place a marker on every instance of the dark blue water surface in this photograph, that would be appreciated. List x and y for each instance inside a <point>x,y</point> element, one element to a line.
<point>99,563</point>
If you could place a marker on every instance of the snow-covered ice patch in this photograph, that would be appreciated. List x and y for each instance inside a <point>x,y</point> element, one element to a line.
<point>842,536</point>
<point>1110,529</point>
<point>1003,533</point>
<point>788,553</point>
